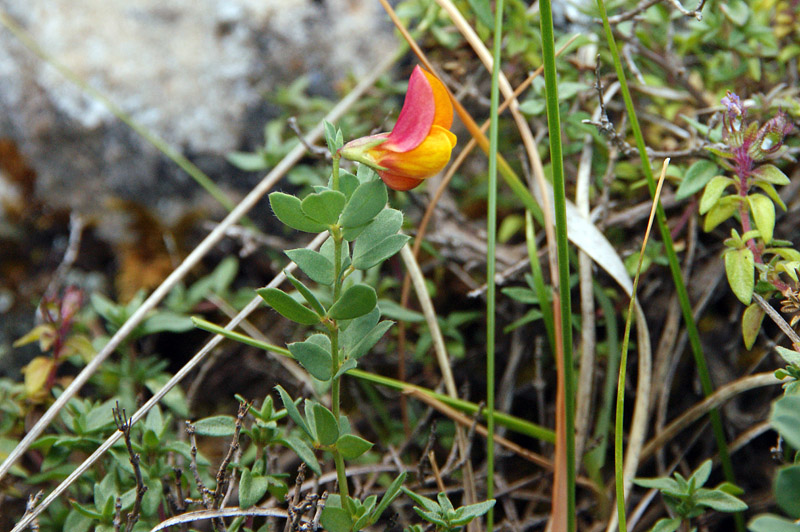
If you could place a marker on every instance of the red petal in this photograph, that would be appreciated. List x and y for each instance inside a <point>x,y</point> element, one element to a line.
<point>416,116</point>
<point>399,182</point>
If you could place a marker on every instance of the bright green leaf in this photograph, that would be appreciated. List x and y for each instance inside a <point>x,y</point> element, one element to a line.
<point>307,294</point>
<point>305,453</point>
<point>719,501</point>
<point>335,519</point>
<point>218,426</point>
<point>292,410</point>
<point>351,446</point>
<point>713,192</point>
<point>718,214</point>
<point>370,339</point>
<point>740,270</point>
<point>763,214</point>
<point>327,427</point>
<point>251,489</point>
<point>667,525</point>
<point>314,358</point>
<point>771,174</point>
<point>379,253</point>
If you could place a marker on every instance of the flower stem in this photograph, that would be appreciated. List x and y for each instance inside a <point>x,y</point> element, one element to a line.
<point>338,243</point>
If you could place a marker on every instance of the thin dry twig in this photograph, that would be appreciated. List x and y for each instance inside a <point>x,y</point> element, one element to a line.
<point>124,426</point>
<point>201,487</point>
<point>223,477</point>
<point>33,500</point>
<point>778,319</point>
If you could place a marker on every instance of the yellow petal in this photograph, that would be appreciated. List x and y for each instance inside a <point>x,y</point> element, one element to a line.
<point>424,161</point>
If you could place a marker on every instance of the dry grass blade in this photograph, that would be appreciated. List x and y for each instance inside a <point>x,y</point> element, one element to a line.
<point>719,397</point>
<point>441,356</point>
<point>642,403</point>
<point>204,515</point>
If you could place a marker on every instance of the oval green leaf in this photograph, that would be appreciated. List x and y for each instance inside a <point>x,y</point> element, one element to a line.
<point>763,214</point>
<point>351,446</point>
<point>318,268</point>
<point>289,211</point>
<point>307,294</point>
<point>287,307</point>
<point>696,178</point>
<point>251,489</point>
<point>292,410</point>
<point>356,301</point>
<point>326,424</point>
<point>771,174</point>
<point>740,269</point>
<point>314,358</point>
<point>787,490</point>
<point>713,192</point>
<point>324,207</point>
<point>365,203</point>
<point>380,252</point>
<point>221,426</point>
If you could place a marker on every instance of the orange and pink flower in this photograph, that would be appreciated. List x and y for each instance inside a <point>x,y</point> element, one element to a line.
<point>420,144</point>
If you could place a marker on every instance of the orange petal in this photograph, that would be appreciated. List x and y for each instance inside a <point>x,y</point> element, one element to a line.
<point>441,100</point>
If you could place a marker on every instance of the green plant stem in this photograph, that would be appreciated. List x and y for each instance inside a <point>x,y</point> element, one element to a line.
<point>491,231</point>
<point>560,203</point>
<point>338,243</point>
<point>674,265</point>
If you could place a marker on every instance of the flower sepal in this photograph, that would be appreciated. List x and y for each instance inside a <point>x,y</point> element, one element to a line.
<point>358,150</point>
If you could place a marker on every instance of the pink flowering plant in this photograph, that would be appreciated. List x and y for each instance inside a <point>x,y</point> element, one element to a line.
<point>755,261</point>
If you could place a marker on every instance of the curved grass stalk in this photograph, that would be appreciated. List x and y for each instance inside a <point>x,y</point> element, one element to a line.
<point>618,431</point>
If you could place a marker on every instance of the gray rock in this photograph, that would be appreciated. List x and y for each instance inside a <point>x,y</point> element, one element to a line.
<point>192,71</point>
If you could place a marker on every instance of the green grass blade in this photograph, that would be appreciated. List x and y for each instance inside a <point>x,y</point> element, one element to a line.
<point>538,281</point>
<point>491,230</point>
<point>560,201</point>
<point>520,426</point>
